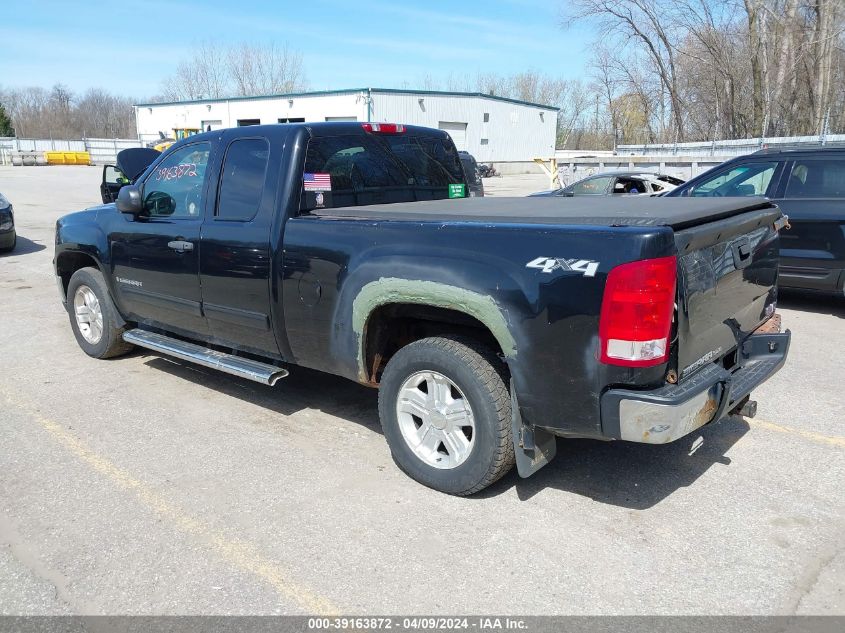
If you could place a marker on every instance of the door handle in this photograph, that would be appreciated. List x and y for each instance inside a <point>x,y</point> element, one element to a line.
<point>180,246</point>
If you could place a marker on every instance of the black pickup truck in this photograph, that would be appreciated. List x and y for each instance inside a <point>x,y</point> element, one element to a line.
<point>489,325</point>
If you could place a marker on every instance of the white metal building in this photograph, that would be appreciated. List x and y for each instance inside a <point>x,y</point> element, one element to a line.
<point>493,129</point>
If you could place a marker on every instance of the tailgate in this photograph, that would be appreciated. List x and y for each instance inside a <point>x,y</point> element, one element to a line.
<point>726,285</point>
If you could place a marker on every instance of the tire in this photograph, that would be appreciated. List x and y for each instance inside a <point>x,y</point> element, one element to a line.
<point>11,247</point>
<point>109,343</point>
<point>475,377</point>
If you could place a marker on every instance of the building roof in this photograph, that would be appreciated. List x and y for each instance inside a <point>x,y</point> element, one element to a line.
<point>323,93</point>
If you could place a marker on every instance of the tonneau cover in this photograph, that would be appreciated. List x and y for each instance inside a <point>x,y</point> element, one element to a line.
<point>677,213</point>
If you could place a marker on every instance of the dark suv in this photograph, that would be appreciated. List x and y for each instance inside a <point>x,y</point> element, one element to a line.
<point>809,186</point>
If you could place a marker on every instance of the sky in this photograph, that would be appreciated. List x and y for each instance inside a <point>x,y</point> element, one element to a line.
<point>130,47</point>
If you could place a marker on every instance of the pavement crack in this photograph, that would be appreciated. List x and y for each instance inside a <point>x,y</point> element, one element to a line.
<point>16,544</point>
<point>808,581</point>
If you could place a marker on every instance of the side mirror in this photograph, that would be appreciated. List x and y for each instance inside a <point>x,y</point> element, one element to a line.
<point>129,200</point>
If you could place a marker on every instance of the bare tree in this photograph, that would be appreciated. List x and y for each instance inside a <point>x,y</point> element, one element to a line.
<point>101,114</point>
<point>825,13</point>
<point>642,23</point>
<point>213,71</point>
<point>723,68</point>
<point>59,114</point>
<point>256,69</point>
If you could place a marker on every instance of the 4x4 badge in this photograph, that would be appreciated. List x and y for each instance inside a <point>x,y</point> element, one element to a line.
<point>586,267</point>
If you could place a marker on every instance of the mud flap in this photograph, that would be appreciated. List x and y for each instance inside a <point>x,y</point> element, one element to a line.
<point>533,447</point>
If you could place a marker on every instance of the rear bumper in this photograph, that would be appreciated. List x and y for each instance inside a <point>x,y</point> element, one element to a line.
<point>663,415</point>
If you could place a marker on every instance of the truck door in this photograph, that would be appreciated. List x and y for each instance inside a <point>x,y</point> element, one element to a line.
<point>155,260</point>
<point>235,257</point>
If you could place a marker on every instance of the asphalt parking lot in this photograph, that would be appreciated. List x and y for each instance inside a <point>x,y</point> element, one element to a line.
<point>143,485</point>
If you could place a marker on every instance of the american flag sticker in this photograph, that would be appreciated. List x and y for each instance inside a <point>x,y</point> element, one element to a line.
<point>317,182</point>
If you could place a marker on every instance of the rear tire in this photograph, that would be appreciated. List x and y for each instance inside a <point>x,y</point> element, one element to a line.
<point>96,324</point>
<point>446,414</point>
<point>11,247</point>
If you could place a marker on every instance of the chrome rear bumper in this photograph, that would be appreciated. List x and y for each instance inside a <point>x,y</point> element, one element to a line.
<point>664,415</point>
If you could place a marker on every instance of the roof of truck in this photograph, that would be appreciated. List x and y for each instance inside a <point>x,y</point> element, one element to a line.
<point>599,211</point>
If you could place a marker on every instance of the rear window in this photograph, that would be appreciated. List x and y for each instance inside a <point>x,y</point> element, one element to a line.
<point>366,169</point>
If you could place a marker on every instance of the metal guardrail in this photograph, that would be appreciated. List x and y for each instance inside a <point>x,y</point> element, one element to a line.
<point>684,167</point>
<point>730,148</point>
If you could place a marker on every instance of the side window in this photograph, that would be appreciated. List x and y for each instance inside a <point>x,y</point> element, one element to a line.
<point>113,176</point>
<point>817,179</point>
<point>751,179</point>
<point>591,186</point>
<point>174,189</point>
<point>629,186</point>
<point>242,182</point>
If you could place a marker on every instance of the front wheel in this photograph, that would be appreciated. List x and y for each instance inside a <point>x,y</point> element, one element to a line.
<point>95,321</point>
<point>446,414</point>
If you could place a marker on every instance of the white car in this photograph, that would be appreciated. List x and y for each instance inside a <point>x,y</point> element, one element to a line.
<point>643,183</point>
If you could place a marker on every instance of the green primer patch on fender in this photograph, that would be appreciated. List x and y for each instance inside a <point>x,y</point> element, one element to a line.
<point>389,290</point>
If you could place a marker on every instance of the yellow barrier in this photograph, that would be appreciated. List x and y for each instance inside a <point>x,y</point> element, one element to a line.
<point>68,158</point>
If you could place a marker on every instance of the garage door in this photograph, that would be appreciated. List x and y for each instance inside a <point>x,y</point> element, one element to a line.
<point>458,132</point>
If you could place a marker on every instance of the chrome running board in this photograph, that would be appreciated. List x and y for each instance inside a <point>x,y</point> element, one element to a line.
<point>235,365</point>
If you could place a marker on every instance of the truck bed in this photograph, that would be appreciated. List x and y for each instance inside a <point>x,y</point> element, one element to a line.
<point>595,211</point>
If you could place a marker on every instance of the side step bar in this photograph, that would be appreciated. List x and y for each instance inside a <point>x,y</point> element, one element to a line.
<point>235,365</point>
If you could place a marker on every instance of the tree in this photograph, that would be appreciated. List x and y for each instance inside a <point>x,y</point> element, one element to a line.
<point>213,71</point>
<point>58,114</point>
<point>6,128</point>
<point>721,68</point>
<point>641,23</point>
<point>99,113</point>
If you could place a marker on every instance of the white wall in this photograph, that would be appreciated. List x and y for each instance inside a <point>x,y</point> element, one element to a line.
<point>154,118</point>
<point>515,132</point>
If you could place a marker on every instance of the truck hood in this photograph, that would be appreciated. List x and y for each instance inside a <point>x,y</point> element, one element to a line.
<point>86,216</point>
<point>134,160</point>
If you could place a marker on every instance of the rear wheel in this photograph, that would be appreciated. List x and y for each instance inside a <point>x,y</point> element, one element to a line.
<point>10,247</point>
<point>446,414</point>
<point>93,317</point>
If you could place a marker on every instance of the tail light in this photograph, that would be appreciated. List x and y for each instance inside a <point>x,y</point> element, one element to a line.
<point>636,313</point>
<point>384,128</point>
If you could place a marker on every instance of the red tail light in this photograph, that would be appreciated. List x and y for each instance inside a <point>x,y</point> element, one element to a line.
<point>384,128</point>
<point>636,313</point>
